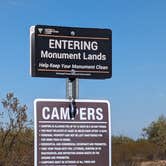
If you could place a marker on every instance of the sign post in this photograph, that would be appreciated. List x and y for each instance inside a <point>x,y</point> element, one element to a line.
<point>72,94</point>
<point>72,88</point>
<point>60,141</point>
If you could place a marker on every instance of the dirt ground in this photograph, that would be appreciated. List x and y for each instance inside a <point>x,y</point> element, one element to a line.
<point>154,163</point>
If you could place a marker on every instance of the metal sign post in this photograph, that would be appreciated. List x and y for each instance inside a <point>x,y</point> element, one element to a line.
<point>72,88</point>
<point>72,94</point>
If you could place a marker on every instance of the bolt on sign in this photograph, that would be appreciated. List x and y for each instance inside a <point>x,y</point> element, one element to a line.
<point>60,141</point>
<point>71,52</point>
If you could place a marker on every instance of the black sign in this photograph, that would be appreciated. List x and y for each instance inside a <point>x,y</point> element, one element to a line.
<point>61,141</point>
<point>71,52</point>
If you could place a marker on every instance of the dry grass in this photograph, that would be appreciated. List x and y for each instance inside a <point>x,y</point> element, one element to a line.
<point>154,163</point>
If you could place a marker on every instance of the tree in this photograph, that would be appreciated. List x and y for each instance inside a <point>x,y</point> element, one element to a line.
<point>13,134</point>
<point>156,133</point>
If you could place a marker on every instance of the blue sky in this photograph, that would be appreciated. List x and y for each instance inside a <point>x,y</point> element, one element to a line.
<point>137,90</point>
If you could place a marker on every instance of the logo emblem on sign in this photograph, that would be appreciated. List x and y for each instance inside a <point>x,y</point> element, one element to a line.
<point>40,30</point>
